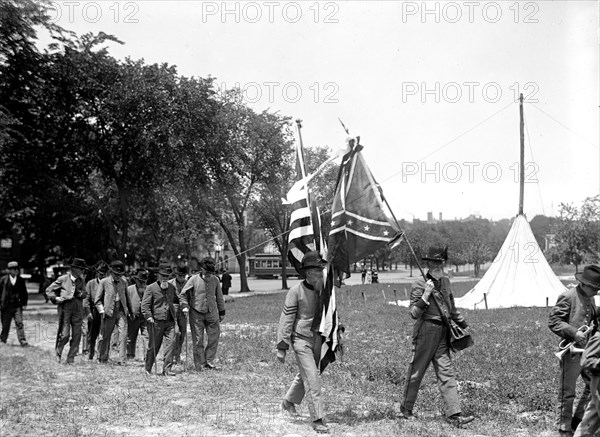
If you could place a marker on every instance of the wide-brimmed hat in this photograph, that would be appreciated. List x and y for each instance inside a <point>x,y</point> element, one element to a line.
<point>590,276</point>
<point>165,270</point>
<point>78,263</point>
<point>117,267</point>
<point>436,254</point>
<point>208,264</point>
<point>141,275</point>
<point>13,265</point>
<point>181,270</point>
<point>312,260</point>
<point>101,267</point>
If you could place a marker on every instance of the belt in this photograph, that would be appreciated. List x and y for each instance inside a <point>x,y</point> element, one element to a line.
<point>435,322</point>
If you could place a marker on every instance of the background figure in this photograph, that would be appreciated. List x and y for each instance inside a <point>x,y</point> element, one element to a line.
<point>137,323</point>
<point>113,305</point>
<point>159,307</point>
<point>68,293</point>
<point>202,297</point>
<point>13,300</point>
<point>225,282</point>
<point>299,329</point>
<point>363,275</point>
<point>432,305</point>
<point>179,281</point>
<point>574,308</point>
<point>375,277</point>
<point>92,316</point>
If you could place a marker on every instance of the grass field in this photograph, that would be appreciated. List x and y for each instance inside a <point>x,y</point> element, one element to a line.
<point>508,380</point>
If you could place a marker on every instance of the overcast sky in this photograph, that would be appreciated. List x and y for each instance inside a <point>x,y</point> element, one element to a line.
<point>430,88</point>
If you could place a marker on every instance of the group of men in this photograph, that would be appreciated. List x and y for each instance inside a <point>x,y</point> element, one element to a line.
<point>156,309</point>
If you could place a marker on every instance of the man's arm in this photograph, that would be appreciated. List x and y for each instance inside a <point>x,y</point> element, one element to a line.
<point>99,301</point>
<point>220,301</point>
<point>558,319</point>
<point>52,288</point>
<point>147,303</point>
<point>287,319</point>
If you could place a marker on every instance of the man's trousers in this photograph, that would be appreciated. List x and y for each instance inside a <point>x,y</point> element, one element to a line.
<point>180,333</point>
<point>591,418</point>
<point>70,317</point>
<point>7,315</point>
<point>108,325</point>
<point>431,346</point>
<point>93,332</point>
<point>570,370</point>
<point>156,332</point>
<point>134,327</point>
<point>307,382</point>
<point>199,322</point>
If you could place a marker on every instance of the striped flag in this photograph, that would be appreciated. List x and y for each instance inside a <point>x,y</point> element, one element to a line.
<point>305,216</point>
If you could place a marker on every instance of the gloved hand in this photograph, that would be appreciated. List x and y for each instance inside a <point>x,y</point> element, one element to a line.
<point>281,355</point>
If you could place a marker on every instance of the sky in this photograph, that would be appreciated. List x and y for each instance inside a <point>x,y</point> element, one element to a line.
<point>431,88</point>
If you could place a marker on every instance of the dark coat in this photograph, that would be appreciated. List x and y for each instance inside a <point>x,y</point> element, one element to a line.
<point>156,302</point>
<point>18,292</point>
<point>573,309</point>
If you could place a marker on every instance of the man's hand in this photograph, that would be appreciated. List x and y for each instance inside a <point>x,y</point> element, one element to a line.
<point>428,290</point>
<point>580,338</point>
<point>150,320</point>
<point>281,355</point>
<point>185,311</point>
<point>24,307</point>
<point>90,316</point>
<point>59,299</point>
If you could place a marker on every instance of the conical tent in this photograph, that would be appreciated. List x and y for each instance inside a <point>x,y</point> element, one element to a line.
<point>520,276</point>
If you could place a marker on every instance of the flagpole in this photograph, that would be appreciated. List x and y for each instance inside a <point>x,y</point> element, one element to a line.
<point>313,208</point>
<point>412,251</point>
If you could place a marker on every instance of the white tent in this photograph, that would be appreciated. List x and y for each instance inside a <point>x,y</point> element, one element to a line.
<point>520,276</point>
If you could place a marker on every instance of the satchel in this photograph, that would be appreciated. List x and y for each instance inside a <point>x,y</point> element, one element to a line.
<point>459,338</point>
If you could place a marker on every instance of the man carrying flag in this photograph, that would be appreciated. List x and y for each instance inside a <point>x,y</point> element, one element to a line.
<point>299,329</point>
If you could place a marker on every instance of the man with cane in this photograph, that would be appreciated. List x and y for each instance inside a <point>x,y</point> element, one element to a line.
<point>159,307</point>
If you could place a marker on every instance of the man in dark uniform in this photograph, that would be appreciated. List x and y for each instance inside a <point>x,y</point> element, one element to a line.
<point>13,300</point>
<point>159,307</point>
<point>432,305</point>
<point>574,309</point>
<point>225,282</point>
<point>68,292</point>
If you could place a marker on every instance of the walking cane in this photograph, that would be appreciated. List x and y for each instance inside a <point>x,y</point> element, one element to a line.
<point>186,341</point>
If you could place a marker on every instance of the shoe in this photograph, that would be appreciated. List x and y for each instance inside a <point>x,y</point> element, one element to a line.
<point>169,373</point>
<point>562,433</point>
<point>289,407</point>
<point>70,363</point>
<point>58,356</point>
<point>459,420</point>
<point>575,423</point>
<point>147,373</point>
<point>211,366</point>
<point>320,427</point>
<point>406,414</point>
<point>24,344</point>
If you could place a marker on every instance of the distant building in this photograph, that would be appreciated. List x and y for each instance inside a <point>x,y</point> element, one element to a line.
<point>431,219</point>
<point>549,241</point>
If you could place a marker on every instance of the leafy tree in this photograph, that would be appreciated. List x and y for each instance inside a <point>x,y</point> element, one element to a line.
<point>577,233</point>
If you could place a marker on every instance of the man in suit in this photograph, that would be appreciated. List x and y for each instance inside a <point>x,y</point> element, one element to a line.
<point>91,326</point>
<point>202,299</point>
<point>159,307</point>
<point>432,306</point>
<point>574,309</point>
<point>13,300</point>
<point>68,292</point>
<point>226,282</point>
<point>112,302</point>
<point>137,322</point>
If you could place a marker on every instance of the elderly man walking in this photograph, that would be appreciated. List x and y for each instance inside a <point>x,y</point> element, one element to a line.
<point>93,319</point>
<point>137,323</point>
<point>299,329</point>
<point>574,310</point>
<point>13,300</point>
<point>203,299</point>
<point>159,307</point>
<point>112,302</point>
<point>68,292</point>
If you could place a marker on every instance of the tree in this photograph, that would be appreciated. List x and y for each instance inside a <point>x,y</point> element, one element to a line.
<point>577,233</point>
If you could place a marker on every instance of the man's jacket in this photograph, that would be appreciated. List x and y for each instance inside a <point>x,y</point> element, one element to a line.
<point>296,320</point>
<point>157,302</point>
<point>573,309</point>
<point>106,296</point>
<point>12,295</point>
<point>66,288</point>
<point>203,295</point>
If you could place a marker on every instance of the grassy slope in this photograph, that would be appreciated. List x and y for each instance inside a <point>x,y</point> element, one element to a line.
<point>508,380</point>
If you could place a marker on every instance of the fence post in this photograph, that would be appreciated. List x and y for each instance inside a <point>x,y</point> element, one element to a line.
<point>485,299</point>
<point>395,296</point>
<point>384,298</point>
<point>364,296</point>
<point>546,301</point>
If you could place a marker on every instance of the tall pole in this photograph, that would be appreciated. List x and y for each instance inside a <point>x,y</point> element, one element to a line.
<point>522,158</point>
